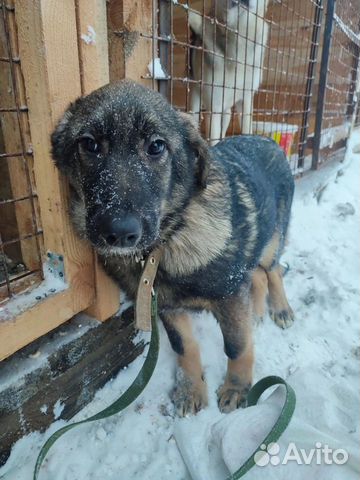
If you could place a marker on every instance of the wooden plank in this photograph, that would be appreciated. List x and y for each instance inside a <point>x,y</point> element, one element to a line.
<point>47,35</point>
<point>94,70</point>
<point>129,51</point>
<point>46,315</point>
<point>49,59</point>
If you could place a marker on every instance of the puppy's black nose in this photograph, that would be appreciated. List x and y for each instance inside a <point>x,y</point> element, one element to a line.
<point>125,232</point>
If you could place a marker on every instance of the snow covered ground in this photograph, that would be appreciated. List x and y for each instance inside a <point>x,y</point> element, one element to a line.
<point>319,355</point>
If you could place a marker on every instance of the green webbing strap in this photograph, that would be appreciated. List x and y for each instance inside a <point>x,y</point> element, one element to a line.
<point>281,423</point>
<point>142,380</point>
<point>126,398</point>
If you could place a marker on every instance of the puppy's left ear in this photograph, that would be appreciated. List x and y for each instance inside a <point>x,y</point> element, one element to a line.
<point>62,143</point>
<point>200,147</point>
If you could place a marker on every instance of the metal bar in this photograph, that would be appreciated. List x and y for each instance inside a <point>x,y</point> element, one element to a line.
<point>329,21</point>
<point>351,103</point>
<point>164,47</point>
<point>310,80</point>
<point>15,200</point>
<point>4,268</point>
<point>7,60</point>
<point>23,108</point>
<point>13,154</point>
<point>23,237</point>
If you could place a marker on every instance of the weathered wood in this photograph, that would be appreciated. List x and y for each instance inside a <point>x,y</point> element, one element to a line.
<point>94,70</point>
<point>34,322</point>
<point>71,374</point>
<point>47,36</point>
<point>130,48</point>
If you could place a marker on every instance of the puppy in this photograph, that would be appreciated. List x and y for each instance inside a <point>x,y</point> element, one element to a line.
<point>142,177</point>
<point>233,75</point>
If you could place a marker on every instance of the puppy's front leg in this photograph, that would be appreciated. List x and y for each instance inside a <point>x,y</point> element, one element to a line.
<point>190,392</point>
<point>234,316</point>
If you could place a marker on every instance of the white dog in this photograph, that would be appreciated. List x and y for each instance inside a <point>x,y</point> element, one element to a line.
<point>233,74</point>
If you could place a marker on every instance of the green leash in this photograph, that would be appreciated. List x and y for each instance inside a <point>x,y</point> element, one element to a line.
<point>142,380</point>
<point>126,398</point>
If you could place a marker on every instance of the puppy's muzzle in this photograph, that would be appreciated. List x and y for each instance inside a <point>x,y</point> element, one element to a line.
<point>120,232</point>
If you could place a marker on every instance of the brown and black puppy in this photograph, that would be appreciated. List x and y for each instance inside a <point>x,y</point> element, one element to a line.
<point>141,176</point>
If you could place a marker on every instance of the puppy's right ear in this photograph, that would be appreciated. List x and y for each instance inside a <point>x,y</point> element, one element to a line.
<point>62,143</point>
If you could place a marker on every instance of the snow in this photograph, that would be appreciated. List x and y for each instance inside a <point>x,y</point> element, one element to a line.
<point>156,70</point>
<point>90,37</point>
<point>319,356</point>
<point>50,286</point>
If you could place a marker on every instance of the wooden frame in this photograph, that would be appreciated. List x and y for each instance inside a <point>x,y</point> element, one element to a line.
<point>58,67</point>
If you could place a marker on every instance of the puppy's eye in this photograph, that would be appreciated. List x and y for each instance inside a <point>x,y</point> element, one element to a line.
<point>156,148</point>
<point>89,143</point>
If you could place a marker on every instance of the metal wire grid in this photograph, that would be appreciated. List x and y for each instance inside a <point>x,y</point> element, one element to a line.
<point>20,233</point>
<point>340,98</point>
<point>282,103</point>
<point>285,102</point>
<point>285,99</point>
<point>357,115</point>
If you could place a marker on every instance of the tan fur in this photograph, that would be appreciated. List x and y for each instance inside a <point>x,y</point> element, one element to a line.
<point>252,213</point>
<point>270,251</point>
<point>190,394</point>
<point>238,380</point>
<point>235,322</point>
<point>259,289</point>
<point>279,308</point>
<point>205,234</point>
<point>277,296</point>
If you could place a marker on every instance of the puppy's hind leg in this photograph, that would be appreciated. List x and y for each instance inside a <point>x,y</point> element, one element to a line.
<point>190,392</point>
<point>234,316</point>
<point>259,290</point>
<point>279,308</point>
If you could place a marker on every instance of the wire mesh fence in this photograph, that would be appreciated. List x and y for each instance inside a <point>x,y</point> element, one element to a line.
<point>244,66</point>
<point>251,66</point>
<point>340,100</point>
<point>20,242</point>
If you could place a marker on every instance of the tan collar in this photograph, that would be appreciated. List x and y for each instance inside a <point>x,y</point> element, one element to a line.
<point>145,290</point>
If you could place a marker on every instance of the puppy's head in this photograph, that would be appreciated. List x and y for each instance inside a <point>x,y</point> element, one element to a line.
<point>133,163</point>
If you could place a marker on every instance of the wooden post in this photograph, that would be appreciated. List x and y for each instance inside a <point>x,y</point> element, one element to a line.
<point>94,71</point>
<point>47,35</point>
<point>131,47</point>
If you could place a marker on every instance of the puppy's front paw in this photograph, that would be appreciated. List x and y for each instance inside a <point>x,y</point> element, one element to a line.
<point>231,396</point>
<point>283,318</point>
<point>189,396</point>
